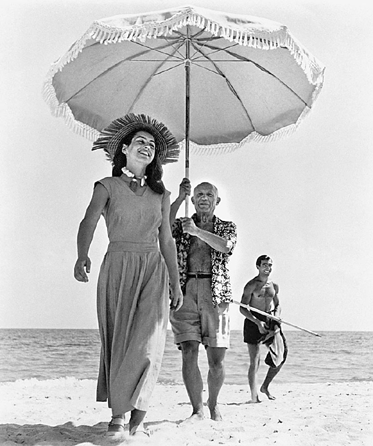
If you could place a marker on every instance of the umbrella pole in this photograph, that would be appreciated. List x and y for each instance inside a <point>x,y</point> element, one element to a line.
<point>187,112</point>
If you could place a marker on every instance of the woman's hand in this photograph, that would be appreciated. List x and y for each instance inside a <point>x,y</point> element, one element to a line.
<point>177,299</point>
<point>81,268</point>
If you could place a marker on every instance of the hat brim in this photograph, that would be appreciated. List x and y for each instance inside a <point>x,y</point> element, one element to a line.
<point>166,145</point>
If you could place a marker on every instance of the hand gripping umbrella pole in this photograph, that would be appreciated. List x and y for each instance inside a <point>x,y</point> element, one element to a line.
<point>275,318</point>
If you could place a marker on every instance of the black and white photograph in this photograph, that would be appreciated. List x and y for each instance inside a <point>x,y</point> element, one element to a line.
<point>186,233</point>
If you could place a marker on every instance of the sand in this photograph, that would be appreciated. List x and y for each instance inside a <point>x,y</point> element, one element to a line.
<point>64,412</point>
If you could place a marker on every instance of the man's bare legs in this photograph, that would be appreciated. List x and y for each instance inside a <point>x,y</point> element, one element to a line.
<point>215,379</point>
<point>272,372</point>
<point>254,354</point>
<point>192,377</point>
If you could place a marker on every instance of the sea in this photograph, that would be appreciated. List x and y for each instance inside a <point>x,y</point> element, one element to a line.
<point>44,354</point>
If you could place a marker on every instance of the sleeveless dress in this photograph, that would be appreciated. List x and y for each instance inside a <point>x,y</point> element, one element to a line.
<point>132,298</point>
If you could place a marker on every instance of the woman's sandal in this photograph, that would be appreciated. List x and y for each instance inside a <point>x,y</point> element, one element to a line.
<point>115,426</point>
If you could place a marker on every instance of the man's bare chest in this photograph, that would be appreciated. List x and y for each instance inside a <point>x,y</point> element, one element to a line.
<point>266,290</point>
<point>200,252</point>
<point>197,246</point>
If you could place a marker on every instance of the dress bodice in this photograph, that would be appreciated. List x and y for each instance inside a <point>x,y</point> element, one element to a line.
<point>130,217</point>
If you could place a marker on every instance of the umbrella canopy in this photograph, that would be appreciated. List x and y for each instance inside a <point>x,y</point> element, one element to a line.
<point>216,80</point>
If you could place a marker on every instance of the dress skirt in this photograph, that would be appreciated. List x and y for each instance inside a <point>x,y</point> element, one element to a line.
<point>132,307</point>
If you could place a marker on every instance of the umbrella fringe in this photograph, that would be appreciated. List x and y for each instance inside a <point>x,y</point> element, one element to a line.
<point>269,39</point>
<point>77,127</point>
<point>64,111</point>
<point>224,148</point>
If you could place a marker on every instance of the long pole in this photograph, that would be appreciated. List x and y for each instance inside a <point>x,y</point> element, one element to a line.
<point>275,318</point>
<point>187,112</point>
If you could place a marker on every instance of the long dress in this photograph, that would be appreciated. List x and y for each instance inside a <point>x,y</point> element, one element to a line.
<point>132,298</point>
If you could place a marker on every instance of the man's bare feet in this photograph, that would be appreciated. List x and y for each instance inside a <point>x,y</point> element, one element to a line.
<point>215,414</point>
<point>254,401</point>
<point>267,392</point>
<point>195,417</point>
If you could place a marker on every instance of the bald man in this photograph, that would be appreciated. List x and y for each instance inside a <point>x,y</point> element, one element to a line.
<point>204,245</point>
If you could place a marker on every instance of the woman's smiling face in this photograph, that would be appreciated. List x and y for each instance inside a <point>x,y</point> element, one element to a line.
<point>142,147</point>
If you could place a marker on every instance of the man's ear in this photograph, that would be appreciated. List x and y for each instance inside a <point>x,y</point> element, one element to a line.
<point>218,200</point>
<point>192,199</point>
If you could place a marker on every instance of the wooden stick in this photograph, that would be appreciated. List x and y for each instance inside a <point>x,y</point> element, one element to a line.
<point>275,318</point>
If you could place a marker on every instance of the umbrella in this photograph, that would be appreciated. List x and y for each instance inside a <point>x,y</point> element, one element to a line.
<point>217,80</point>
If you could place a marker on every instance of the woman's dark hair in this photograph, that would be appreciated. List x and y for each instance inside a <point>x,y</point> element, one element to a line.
<point>154,170</point>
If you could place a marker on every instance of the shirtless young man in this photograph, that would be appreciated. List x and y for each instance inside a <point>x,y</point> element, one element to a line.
<point>262,294</point>
<point>204,245</point>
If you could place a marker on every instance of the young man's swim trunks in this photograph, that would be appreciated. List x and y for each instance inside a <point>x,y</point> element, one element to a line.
<point>251,333</point>
<point>276,343</point>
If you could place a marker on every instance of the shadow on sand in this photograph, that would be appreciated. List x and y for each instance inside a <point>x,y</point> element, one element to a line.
<point>67,434</point>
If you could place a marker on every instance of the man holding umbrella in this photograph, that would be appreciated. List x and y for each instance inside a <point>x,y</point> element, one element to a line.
<point>204,245</point>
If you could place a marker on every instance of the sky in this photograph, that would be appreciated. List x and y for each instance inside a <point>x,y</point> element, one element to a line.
<point>305,200</point>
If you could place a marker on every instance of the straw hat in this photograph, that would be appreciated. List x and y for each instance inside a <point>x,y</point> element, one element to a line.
<point>166,145</point>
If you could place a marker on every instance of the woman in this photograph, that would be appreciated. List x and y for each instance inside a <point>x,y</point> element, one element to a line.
<point>140,263</point>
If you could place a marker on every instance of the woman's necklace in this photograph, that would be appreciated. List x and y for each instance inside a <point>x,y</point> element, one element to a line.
<point>134,182</point>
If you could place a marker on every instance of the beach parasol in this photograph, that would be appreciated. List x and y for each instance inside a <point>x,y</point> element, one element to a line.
<point>217,80</point>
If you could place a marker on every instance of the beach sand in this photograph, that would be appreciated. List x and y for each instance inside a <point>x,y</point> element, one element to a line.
<point>64,412</point>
